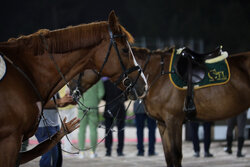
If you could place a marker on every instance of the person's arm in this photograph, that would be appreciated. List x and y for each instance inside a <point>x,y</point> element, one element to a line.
<point>46,145</point>
<point>62,102</point>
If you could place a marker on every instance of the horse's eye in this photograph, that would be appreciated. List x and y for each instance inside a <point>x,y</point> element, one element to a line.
<point>125,50</point>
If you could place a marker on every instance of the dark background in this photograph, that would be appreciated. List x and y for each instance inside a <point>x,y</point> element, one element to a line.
<point>215,22</point>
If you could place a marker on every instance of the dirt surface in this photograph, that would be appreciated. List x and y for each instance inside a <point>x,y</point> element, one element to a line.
<point>220,159</point>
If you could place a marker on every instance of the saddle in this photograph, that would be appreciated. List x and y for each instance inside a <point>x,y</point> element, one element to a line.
<point>191,68</point>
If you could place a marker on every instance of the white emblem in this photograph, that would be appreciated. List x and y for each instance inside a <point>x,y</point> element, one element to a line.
<point>2,67</point>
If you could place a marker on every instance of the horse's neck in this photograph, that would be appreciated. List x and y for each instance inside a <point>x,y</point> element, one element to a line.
<point>48,76</point>
<point>70,55</point>
<point>42,70</point>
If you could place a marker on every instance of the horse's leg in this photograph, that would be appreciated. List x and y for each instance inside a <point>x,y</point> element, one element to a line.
<point>162,129</point>
<point>171,134</point>
<point>10,147</point>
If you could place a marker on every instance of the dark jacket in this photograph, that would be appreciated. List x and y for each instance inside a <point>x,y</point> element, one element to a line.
<point>139,108</point>
<point>114,106</point>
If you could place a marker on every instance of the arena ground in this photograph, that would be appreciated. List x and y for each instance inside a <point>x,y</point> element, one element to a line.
<point>220,159</point>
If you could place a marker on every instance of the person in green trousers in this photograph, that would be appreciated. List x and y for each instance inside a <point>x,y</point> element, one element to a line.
<point>91,99</point>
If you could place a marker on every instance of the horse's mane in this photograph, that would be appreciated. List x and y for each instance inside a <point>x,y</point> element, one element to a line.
<point>66,39</point>
<point>164,51</point>
<point>141,53</point>
<point>130,38</point>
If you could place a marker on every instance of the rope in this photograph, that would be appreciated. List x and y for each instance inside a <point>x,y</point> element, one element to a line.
<point>85,111</point>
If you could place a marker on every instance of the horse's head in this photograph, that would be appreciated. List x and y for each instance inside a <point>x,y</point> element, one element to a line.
<point>119,64</point>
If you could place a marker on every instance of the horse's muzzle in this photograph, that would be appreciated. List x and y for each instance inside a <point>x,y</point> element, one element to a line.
<point>132,94</point>
<point>133,91</point>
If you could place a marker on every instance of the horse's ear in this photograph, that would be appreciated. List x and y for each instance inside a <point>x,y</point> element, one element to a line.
<point>113,22</point>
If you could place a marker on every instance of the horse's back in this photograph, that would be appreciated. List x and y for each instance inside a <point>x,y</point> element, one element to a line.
<point>241,61</point>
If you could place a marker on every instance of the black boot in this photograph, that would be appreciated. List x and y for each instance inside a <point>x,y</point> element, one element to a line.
<point>108,152</point>
<point>240,145</point>
<point>229,144</point>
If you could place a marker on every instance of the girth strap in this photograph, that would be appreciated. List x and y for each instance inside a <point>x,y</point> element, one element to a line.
<point>189,105</point>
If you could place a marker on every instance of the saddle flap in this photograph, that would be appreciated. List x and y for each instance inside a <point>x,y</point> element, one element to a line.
<point>198,70</point>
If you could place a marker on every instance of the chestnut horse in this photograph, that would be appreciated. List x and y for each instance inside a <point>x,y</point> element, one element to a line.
<point>38,65</point>
<point>165,103</point>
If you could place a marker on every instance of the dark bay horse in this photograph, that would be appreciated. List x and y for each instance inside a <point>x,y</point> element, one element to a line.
<point>38,65</point>
<point>165,103</point>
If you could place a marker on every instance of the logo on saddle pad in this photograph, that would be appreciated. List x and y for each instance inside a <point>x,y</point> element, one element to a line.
<point>217,75</point>
<point>2,67</point>
<point>204,73</point>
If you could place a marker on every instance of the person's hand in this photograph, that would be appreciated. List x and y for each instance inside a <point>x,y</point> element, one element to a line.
<point>70,126</point>
<point>65,100</point>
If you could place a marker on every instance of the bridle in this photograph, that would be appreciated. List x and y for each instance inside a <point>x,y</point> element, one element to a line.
<point>123,78</point>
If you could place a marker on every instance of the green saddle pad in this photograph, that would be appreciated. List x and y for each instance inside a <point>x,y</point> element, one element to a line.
<point>217,74</point>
